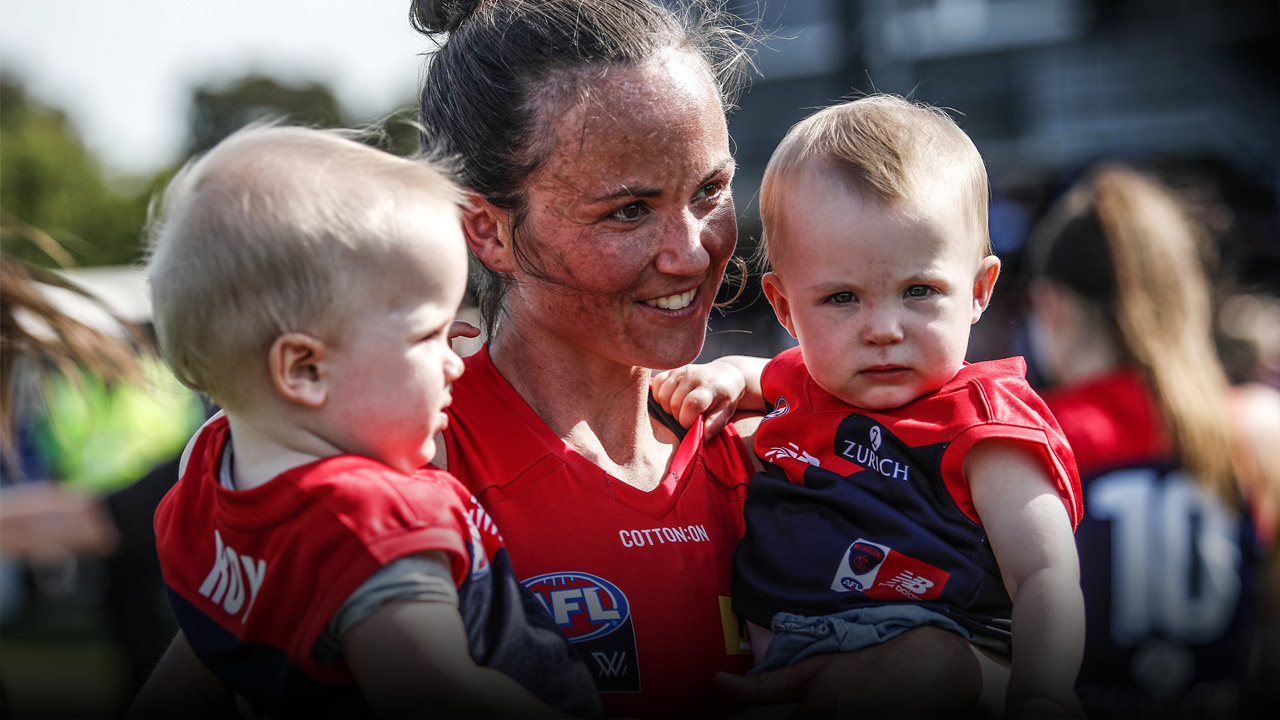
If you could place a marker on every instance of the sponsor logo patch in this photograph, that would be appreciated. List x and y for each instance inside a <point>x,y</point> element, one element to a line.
<point>596,617</point>
<point>866,444</point>
<point>880,572</point>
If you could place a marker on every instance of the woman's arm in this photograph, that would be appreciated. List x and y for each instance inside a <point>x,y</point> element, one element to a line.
<point>882,680</point>
<point>411,659</point>
<point>182,687</point>
<point>1033,541</point>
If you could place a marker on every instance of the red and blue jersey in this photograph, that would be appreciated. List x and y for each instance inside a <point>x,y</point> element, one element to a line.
<point>1169,571</point>
<point>639,581</point>
<point>255,576</point>
<point>859,507</point>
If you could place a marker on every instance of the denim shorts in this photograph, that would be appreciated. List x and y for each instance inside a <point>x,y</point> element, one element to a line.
<point>797,637</point>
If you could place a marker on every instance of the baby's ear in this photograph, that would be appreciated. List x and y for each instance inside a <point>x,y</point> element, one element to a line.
<point>772,287</point>
<point>984,283</point>
<point>295,363</point>
<point>487,229</point>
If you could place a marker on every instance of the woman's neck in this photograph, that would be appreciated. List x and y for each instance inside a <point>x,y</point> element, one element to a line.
<point>1092,349</point>
<point>598,407</point>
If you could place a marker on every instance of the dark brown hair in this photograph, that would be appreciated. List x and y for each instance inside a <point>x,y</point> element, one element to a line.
<point>506,67</point>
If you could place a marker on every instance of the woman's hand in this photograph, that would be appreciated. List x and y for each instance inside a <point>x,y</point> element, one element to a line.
<point>926,672</point>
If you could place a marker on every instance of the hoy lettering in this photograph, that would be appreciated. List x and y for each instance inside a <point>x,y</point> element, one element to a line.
<point>231,576</point>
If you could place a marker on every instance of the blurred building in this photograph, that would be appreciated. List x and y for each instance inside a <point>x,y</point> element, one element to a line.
<point>1044,87</point>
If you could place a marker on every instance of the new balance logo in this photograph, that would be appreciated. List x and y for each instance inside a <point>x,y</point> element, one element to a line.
<point>231,576</point>
<point>910,584</point>
<point>611,664</point>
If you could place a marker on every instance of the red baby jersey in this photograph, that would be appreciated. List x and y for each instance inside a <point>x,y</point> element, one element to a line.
<point>255,576</point>
<point>639,581</point>
<point>1169,571</point>
<point>861,507</point>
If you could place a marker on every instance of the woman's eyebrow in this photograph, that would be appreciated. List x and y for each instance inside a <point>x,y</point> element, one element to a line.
<point>626,191</point>
<point>726,165</point>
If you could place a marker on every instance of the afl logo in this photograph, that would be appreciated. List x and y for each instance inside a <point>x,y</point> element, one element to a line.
<point>779,408</point>
<point>584,606</point>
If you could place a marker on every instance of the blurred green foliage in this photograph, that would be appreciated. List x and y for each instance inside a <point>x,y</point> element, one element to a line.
<point>56,205</point>
<point>59,207</point>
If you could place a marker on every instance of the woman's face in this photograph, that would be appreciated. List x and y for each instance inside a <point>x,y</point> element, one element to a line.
<point>630,221</point>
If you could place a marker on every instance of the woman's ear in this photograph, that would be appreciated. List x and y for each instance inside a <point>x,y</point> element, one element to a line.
<point>487,230</point>
<point>984,283</point>
<point>295,363</point>
<point>778,299</point>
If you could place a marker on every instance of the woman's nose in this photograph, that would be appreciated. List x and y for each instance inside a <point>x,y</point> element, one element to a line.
<point>683,251</point>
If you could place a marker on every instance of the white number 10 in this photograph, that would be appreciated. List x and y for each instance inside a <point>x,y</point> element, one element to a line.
<point>1175,561</point>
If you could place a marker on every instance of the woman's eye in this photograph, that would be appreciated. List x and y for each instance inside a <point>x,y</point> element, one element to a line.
<point>630,211</point>
<point>710,190</point>
<point>841,298</point>
<point>919,291</point>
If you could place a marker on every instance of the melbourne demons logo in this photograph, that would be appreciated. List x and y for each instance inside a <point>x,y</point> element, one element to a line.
<point>882,573</point>
<point>584,606</point>
<point>860,565</point>
<point>864,557</point>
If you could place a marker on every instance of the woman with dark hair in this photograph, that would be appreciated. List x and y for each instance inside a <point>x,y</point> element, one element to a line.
<point>1171,561</point>
<point>592,136</point>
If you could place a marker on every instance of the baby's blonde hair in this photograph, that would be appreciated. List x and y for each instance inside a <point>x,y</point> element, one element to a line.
<point>262,235</point>
<point>884,145</point>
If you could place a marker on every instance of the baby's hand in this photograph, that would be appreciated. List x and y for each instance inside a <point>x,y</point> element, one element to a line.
<point>462,328</point>
<point>712,390</point>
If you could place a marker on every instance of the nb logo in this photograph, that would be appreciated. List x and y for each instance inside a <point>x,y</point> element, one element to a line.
<point>911,583</point>
<point>611,664</point>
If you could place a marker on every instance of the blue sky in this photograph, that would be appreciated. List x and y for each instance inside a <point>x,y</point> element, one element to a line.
<point>124,69</point>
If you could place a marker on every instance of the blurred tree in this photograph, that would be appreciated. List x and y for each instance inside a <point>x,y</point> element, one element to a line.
<point>56,206</point>
<point>400,133</point>
<point>218,112</point>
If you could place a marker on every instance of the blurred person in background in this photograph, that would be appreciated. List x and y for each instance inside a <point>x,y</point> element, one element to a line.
<point>1178,488</point>
<point>90,428</point>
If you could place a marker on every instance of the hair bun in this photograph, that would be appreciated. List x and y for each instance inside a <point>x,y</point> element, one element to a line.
<point>439,16</point>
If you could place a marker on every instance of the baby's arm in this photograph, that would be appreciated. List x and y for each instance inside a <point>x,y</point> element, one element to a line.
<point>1033,542</point>
<point>717,390</point>
<point>411,658</point>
